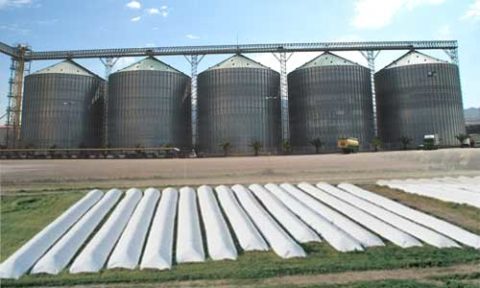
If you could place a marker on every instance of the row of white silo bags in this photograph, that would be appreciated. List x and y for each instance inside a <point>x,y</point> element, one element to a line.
<point>298,229</point>
<point>159,247</point>
<point>470,183</point>
<point>464,183</point>
<point>420,232</point>
<point>282,244</point>
<point>365,237</point>
<point>58,257</point>
<point>94,256</point>
<point>376,225</point>
<point>189,237</point>
<point>433,184</point>
<point>129,248</point>
<point>247,234</point>
<point>336,237</point>
<point>457,233</point>
<point>438,192</point>
<point>25,257</point>
<point>219,240</point>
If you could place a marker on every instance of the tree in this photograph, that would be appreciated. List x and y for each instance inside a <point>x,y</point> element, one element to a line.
<point>106,147</point>
<point>376,143</point>
<point>83,154</point>
<point>170,151</point>
<point>461,138</point>
<point>405,141</point>
<point>287,148</point>
<point>139,150</point>
<point>225,147</point>
<point>317,143</point>
<point>197,148</point>
<point>256,146</point>
<point>52,150</point>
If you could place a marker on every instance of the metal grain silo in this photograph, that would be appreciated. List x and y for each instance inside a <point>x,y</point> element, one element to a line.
<point>60,107</point>
<point>419,95</point>
<point>239,103</point>
<point>329,97</point>
<point>149,106</point>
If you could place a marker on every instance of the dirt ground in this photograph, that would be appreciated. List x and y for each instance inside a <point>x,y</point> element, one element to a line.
<point>425,275</point>
<point>36,175</point>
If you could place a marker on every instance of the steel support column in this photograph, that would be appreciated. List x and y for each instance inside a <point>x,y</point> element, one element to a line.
<point>453,54</point>
<point>109,63</point>
<point>283,58</point>
<point>18,69</point>
<point>371,55</point>
<point>194,60</point>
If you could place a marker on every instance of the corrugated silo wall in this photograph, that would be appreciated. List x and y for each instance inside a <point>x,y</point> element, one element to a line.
<point>239,106</point>
<point>57,111</point>
<point>329,102</point>
<point>416,100</point>
<point>97,117</point>
<point>149,109</point>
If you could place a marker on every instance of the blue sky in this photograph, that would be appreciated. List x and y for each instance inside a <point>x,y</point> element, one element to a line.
<point>87,24</point>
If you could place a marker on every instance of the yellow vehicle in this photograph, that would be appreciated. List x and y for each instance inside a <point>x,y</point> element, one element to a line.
<point>348,144</point>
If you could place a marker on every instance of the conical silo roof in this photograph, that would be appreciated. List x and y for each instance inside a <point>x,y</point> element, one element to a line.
<point>66,67</point>
<point>412,58</point>
<point>238,61</point>
<point>149,64</point>
<point>328,59</point>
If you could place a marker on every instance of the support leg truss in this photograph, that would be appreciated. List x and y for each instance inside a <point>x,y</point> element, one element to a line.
<point>453,54</point>
<point>109,63</point>
<point>371,56</point>
<point>18,69</point>
<point>194,60</point>
<point>283,58</point>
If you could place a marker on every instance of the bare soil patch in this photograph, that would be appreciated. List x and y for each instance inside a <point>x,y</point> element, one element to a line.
<point>38,175</point>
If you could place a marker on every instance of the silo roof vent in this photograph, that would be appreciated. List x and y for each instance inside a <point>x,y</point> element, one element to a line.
<point>412,58</point>
<point>328,59</point>
<point>66,67</point>
<point>149,64</point>
<point>238,61</point>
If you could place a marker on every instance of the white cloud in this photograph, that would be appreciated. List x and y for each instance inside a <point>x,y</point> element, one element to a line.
<point>153,11</point>
<point>375,14</point>
<point>136,19</point>
<point>444,32</point>
<point>164,11</point>
<point>150,45</point>
<point>15,28</point>
<point>47,21</point>
<point>14,3</point>
<point>192,36</point>
<point>473,12</point>
<point>134,5</point>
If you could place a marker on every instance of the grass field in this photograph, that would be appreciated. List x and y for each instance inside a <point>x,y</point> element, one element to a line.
<point>24,215</point>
